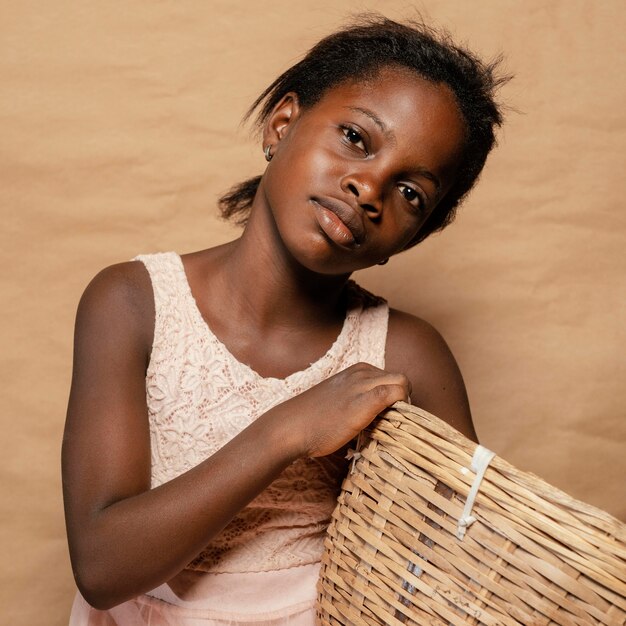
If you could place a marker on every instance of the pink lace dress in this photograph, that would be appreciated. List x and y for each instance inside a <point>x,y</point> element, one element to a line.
<point>262,569</point>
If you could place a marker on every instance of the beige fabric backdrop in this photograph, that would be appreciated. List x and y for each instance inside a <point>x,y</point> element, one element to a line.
<point>119,128</point>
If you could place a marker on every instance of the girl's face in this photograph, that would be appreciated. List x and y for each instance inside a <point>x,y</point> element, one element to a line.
<point>355,176</point>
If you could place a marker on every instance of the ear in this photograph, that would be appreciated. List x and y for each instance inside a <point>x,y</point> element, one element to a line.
<point>283,116</point>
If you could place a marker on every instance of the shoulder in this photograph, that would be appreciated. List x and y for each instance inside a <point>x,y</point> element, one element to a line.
<point>125,285</point>
<point>416,349</point>
<point>118,298</point>
<point>406,327</point>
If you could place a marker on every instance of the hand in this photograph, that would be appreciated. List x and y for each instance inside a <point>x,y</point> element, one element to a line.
<point>329,415</point>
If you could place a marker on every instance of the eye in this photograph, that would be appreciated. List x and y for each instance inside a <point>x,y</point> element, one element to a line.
<point>411,195</point>
<point>354,137</point>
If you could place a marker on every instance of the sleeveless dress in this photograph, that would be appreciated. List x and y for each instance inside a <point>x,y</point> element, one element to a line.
<point>262,569</point>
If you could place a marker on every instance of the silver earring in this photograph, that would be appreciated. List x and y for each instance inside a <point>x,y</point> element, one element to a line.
<point>268,156</point>
<point>383,262</point>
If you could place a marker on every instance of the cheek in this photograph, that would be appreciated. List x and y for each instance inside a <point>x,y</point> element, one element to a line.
<point>303,165</point>
<point>401,228</point>
<point>410,236</point>
<point>321,163</point>
<point>313,150</point>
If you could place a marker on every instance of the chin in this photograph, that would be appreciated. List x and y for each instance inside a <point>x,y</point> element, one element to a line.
<point>319,255</point>
<point>331,265</point>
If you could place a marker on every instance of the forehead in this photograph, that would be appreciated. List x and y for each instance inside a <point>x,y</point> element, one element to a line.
<point>422,117</point>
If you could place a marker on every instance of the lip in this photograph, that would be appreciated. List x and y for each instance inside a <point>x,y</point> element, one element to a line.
<point>339,221</point>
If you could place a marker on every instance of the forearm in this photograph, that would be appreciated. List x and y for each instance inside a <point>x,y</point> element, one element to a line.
<point>137,543</point>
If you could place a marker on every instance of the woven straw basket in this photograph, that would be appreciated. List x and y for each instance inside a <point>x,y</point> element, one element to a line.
<point>530,554</point>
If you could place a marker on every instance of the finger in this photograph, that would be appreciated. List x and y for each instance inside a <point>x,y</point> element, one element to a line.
<point>394,378</point>
<point>384,395</point>
<point>403,381</point>
<point>363,370</point>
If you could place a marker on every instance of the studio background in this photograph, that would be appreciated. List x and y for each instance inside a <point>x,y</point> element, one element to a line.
<point>119,128</point>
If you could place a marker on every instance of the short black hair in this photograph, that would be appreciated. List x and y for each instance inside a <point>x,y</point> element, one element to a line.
<point>359,52</point>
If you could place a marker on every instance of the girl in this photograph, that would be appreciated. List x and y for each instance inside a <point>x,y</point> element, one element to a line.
<point>214,395</point>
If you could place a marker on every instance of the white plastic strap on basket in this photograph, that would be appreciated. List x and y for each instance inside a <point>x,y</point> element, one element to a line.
<point>480,461</point>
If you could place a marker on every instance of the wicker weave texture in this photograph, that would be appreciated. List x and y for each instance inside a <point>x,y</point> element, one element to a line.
<point>534,555</point>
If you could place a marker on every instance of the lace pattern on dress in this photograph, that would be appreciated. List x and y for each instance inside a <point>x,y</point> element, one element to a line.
<point>200,396</point>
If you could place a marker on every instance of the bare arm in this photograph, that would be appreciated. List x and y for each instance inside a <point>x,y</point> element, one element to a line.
<point>126,538</point>
<point>416,349</point>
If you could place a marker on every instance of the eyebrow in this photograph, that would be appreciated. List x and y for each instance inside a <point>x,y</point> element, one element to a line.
<point>432,178</point>
<point>388,133</point>
<point>391,136</point>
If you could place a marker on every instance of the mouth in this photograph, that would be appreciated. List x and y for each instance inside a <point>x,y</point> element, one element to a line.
<point>339,221</point>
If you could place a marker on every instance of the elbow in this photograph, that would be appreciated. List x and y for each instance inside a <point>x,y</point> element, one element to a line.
<point>97,587</point>
<point>99,569</point>
<point>94,595</point>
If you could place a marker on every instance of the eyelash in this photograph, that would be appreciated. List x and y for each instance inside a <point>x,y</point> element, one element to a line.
<point>418,196</point>
<point>349,130</point>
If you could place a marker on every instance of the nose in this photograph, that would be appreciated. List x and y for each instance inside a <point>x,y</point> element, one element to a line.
<point>366,190</point>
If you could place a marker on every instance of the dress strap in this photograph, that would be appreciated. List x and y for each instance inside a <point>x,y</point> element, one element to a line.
<point>168,286</point>
<point>164,270</point>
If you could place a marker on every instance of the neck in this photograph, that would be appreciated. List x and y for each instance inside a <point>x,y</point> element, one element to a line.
<point>266,286</point>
